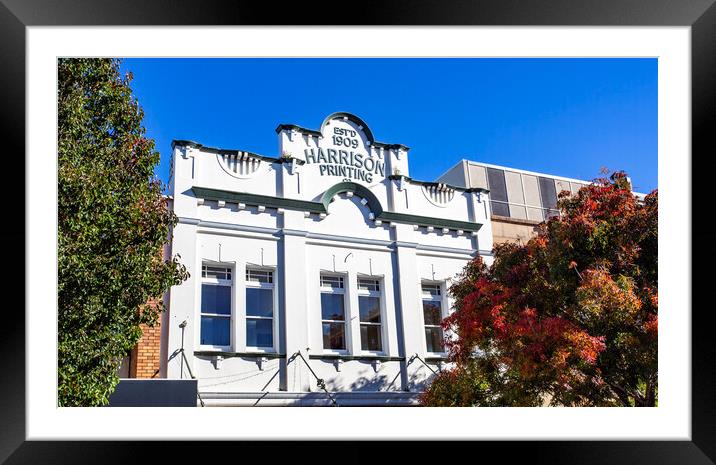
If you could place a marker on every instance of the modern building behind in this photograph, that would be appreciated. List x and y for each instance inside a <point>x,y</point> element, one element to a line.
<point>519,200</point>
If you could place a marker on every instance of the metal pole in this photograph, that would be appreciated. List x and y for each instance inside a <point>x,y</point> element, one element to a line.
<point>181,371</point>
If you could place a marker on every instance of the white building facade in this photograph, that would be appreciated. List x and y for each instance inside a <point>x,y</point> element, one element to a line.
<point>318,276</point>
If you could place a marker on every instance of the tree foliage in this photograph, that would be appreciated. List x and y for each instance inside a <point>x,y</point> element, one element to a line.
<point>112,224</point>
<point>569,318</point>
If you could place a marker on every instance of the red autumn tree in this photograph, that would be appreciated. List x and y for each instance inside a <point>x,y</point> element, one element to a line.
<point>569,318</point>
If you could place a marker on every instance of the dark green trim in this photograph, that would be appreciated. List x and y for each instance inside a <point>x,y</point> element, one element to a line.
<point>393,146</point>
<point>322,206</point>
<point>352,117</point>
<point>362,191</point>
<point>256,199</point>
<point>397,177</point>
<point>429,221</point>
<point>290,159</point>
<point>191,143</point>
<point>288,127</point>
<point>209,353</point>
<point>365,358</point>
<point>380,214</point>
<point>436,359</point>
<point>340,114</point>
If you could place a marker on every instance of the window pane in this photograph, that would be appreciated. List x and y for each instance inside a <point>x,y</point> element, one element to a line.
<point>535,214</point>
<point>518,211</point>
<point>334,336</point>
<point>332,281</point>
<point>370,337</point>
<point>259,333</point>
<point>498,187</point>
<point>332,306</point>
<point>369,308</point>
<point>259,276</point>
<point>216,272</point>
<point>434,339</point>
<point>369,284</point>
<point>514,187</point>
<point>548,193</point>
<point>431,312</point>
<point>501,209</point>
<point>216,299</point>
<point>259,302</point>
<point>215,331</point>
<point>432,289</point>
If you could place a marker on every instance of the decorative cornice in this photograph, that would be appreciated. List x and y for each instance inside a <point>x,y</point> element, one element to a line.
<point>366,357</point>
<point>213,353</point>
<point>293,127</point>
<point>220,151</point>
<point>429,221</point>
<point>398,177</point>
<point>256,199</point>
<point>322,207</point>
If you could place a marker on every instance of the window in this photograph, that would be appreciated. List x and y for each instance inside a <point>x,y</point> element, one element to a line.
<point>215,306</point>
<point>369,309</point>
<point>498,192</point>
<point>259,308</point>
<point>520,195</point>
<point>432,315</point>
<point>333,314</point>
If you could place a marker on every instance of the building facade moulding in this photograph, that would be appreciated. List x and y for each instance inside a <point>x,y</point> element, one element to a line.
<point>322,207</point>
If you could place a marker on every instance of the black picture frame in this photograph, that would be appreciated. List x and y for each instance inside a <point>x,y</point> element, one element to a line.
<point>700,15</point>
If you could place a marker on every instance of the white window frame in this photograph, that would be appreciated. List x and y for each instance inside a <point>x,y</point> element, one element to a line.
<point>379,295</point>
<point>442,300</point>
<point>230,283</point>
<point>346,316</point>
<point>274,324</point>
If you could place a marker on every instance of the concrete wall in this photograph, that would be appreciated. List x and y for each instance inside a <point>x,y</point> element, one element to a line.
<point>510,230</point>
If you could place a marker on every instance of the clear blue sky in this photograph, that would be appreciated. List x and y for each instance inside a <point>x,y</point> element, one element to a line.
<point>566,117</point>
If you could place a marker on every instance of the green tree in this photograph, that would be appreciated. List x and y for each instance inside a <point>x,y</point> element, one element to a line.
<point>112,224</point>
<point>570,317</point>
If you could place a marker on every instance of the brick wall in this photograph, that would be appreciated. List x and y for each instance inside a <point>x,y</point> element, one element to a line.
<point>145,357</point>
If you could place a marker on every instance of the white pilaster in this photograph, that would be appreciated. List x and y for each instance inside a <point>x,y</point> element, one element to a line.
<point>409,289</point>
<point>293,301</point>
<point>184,302</point>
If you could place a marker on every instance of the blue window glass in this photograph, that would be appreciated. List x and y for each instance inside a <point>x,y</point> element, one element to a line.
<point>215,331</point>
<point>332,307</point>
<point>216,299</point>
<point>259,302</point>
<point>369,308</point>
<point>259,333</point>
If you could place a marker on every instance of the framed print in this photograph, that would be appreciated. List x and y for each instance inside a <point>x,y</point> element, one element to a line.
<point>353,294</point>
